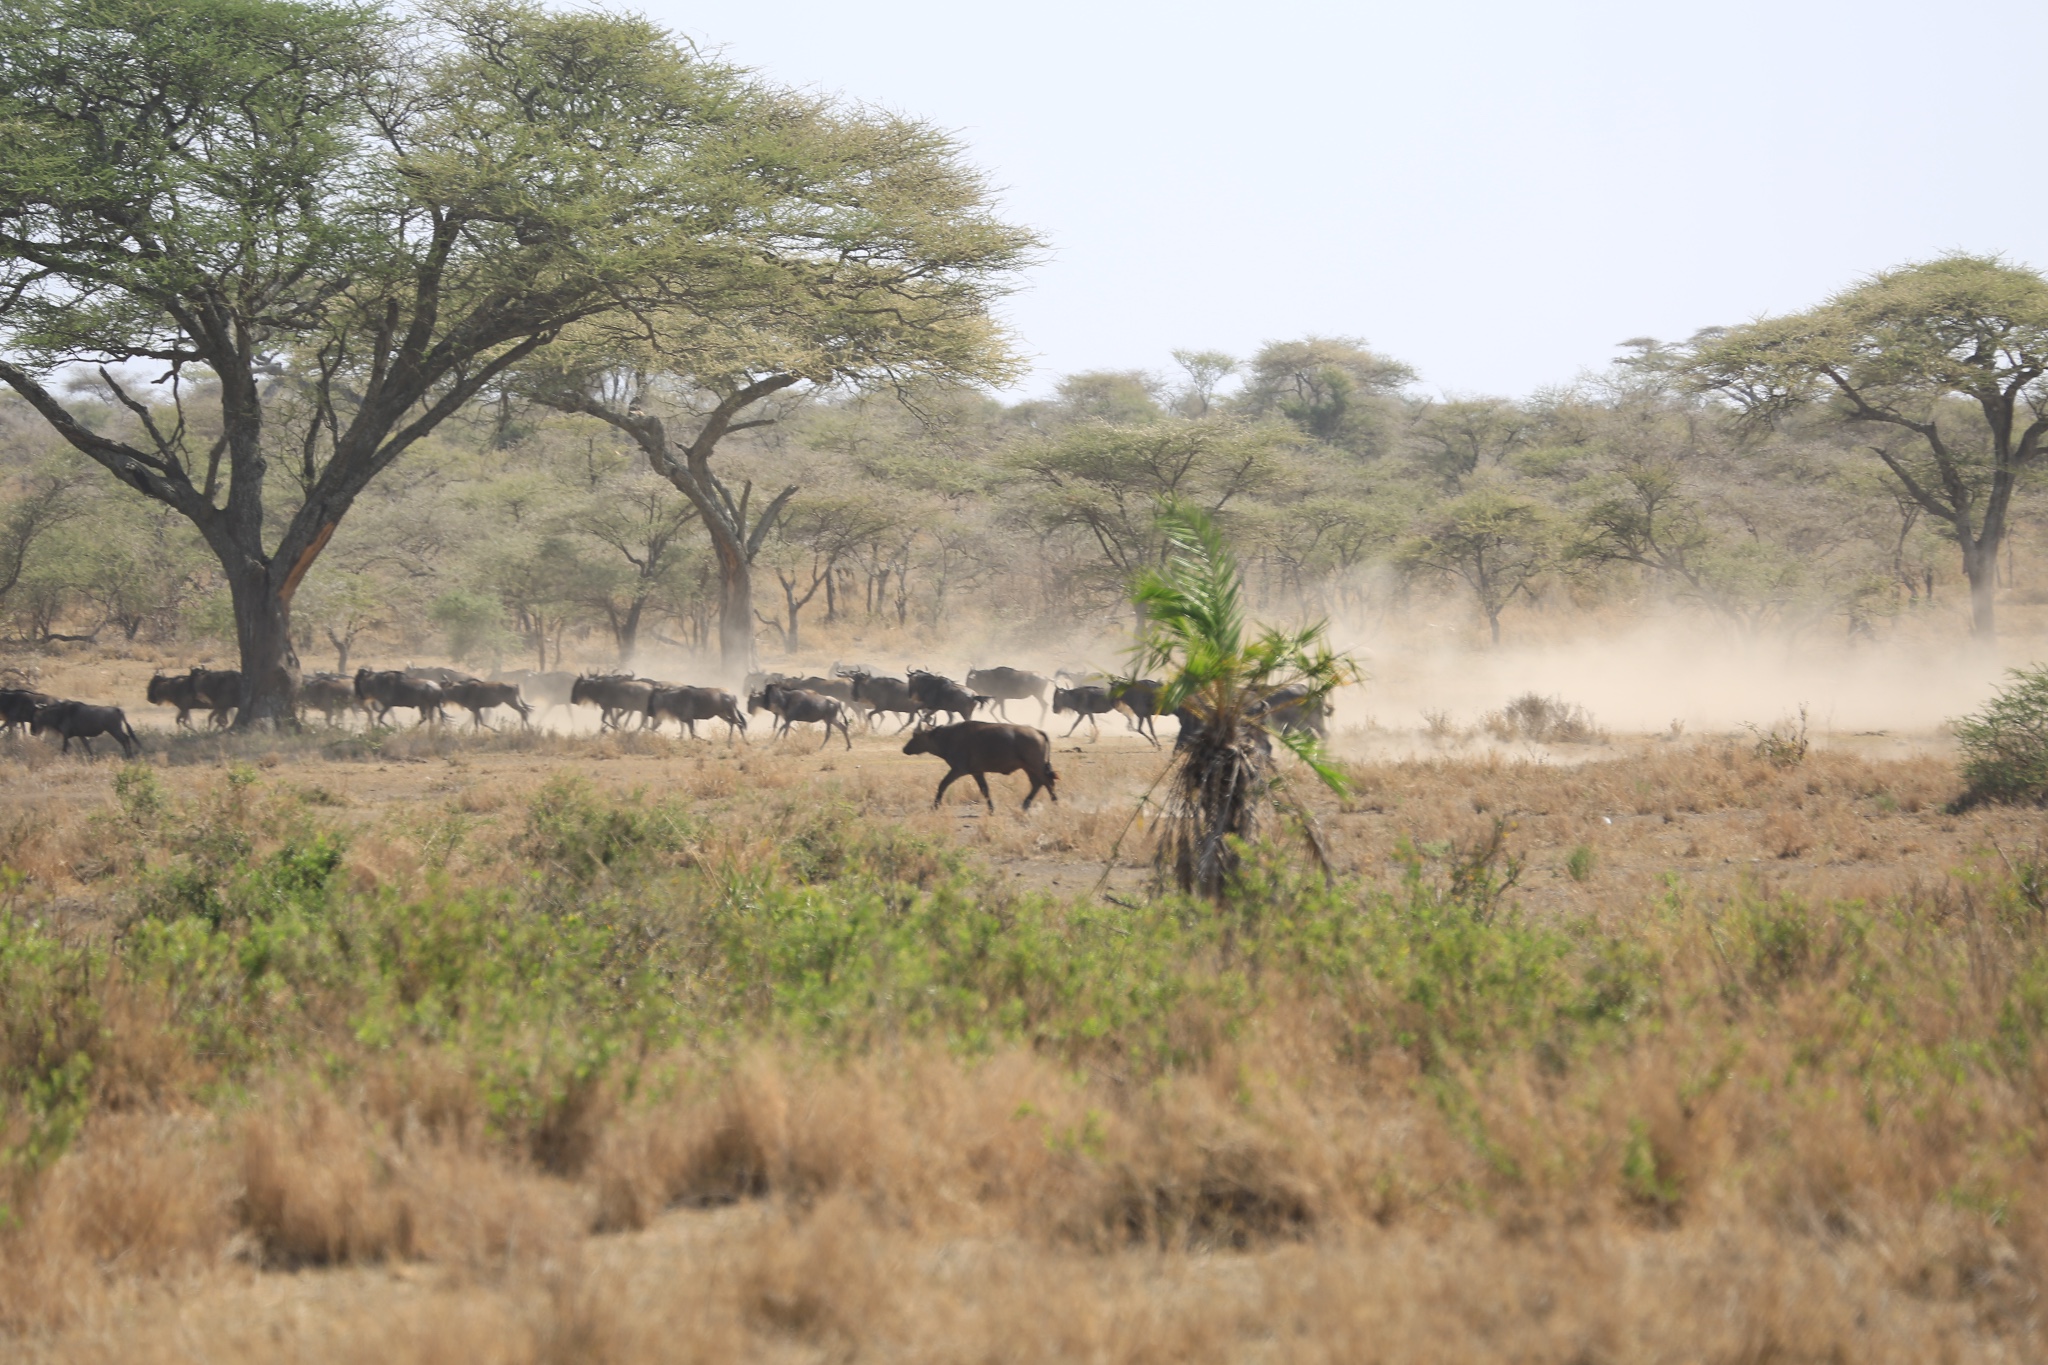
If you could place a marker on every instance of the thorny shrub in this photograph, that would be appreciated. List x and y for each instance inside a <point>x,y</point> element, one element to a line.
<point>2005,746</point>
<point>1544,720</point>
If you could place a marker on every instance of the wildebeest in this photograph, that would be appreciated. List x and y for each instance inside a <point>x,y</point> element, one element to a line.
<point>477,697</point>
<point>18,707</point>
<point>218,690</point>
<point>544,690</point>
<point>331,694</point>
<point>824,687</point>
<point>873,694</point>
<point>1086,703</point>
<point>689,705</point>
<point>391,690</point>
<point>79,721</point>
<point>1288,709</point>
<point>176,689</point>
<point>1001,685</point>
<point>614,696</point>
<point>975,748</point>
<point>798,706</point>
<point>936,693</point>
<point>434,673</point>
<point>1139,699</point>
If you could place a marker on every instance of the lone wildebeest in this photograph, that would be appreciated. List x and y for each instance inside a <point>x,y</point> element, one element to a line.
<point>797,706</point>
<point>975,748</point>
<point>1086,703</point>
<point>391,690</point>
<point>76,720</point>
<point>18,707</point>
<point>1001,685</point>
<point>875,694</point>
<point>614,696</point>
<point>1138,698</point>
<point>692,704</point>
<point>331,694</point>
<point>477,697</point>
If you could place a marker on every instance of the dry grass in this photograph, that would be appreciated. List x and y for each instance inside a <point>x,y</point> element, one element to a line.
<point>920,1208</point>
<point>1735,1182</point>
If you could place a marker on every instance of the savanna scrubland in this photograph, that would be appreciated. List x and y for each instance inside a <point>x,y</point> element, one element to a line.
<point>1658,998</point>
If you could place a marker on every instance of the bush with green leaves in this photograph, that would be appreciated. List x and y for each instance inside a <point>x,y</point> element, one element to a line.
<point>2005,745</point>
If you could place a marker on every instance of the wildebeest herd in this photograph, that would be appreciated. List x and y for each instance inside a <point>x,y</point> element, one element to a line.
<point>850,694</point>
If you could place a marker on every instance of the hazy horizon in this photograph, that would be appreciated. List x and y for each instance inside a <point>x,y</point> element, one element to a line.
<point>1495,194</point>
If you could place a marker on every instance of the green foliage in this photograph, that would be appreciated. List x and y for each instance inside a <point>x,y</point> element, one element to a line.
<point>2005,745</point>
<point>1494,541</point>
<point>1580,862</point>
<point>473,624</point>
<point>550,993</point>
<point>50,1022</point>
<point>575,836</point>
<point>1195,630</point>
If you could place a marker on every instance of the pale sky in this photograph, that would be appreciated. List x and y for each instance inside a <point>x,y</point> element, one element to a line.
<point>1496,193</point>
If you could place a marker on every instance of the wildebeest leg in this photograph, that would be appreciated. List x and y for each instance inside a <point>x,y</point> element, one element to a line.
<point>945,782</point>
<point>908,717</point>
<point>1035,785</point>
<point>1145,729</point>
<point>999,707</point>
<point>85,744</point>
<point>981,781</point>
<point>1078,718</point>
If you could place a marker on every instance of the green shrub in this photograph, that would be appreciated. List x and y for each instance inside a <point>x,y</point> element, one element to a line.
<point>1580,863</point>
<point>575,836</point>
<point>2005,746</point>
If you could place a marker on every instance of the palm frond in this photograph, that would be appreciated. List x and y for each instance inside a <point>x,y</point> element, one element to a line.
<point>1222,771</point>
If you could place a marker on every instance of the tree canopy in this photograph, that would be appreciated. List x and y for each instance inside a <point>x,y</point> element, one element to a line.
<point>329,227</point>
<point>1941,370</point>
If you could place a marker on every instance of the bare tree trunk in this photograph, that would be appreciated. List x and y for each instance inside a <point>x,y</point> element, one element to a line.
<point>734,542</point>
<point>629,632</point>
<point>1980,566</point>
<point>270,666</point>
<point>736,612</point>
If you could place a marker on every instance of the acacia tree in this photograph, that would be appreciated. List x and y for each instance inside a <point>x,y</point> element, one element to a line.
<point>345,226</point>
<point>643,524</point>
<point>1938,367</point>
<point>1496,542</point>
<point>1108,481</point>
<point>887,260</point>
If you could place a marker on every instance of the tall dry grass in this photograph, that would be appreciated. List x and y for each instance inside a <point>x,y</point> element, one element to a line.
<point>1781,1104</point>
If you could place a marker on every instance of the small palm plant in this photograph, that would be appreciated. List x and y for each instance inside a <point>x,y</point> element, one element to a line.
<point>1225,688</point>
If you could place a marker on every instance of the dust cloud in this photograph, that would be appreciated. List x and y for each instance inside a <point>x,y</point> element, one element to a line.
<point>1643,681</point>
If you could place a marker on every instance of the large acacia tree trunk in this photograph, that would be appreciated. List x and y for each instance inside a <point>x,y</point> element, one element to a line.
<point>1980,566</point>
